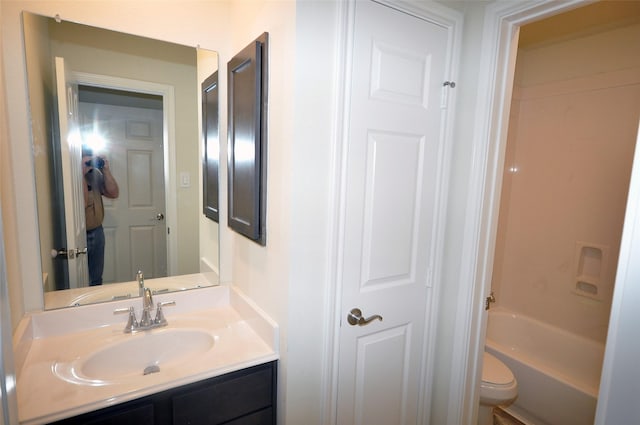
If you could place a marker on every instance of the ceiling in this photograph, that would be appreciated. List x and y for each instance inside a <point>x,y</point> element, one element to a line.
<point>599,16</point>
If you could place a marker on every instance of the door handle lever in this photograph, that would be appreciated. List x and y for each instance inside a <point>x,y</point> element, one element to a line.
<point>62,253</point>
<point>68,254</point>
<point>355,318</point>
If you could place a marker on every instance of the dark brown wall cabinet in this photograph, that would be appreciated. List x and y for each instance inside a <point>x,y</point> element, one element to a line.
<point>246,397</point>
<point>247,132</point>
<point>211,157</point>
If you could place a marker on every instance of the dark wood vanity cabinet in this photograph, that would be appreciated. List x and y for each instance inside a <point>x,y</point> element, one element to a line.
<point>245,397</point>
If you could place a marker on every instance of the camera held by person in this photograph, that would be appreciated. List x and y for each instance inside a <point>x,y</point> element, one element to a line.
<point>95,162</point>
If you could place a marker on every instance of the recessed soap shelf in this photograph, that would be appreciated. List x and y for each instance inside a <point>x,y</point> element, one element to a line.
<point>591,262</point>
<point>586,288</point>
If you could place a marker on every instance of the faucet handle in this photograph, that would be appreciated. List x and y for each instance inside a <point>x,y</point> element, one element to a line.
<point>132,322</point>
<point>160,320</point>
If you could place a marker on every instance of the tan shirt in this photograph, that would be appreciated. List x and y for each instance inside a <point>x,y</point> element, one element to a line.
<point>94,208</point>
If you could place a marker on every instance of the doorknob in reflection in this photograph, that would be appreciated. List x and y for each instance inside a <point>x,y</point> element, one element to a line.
<point>355,318</point>
<point>68,254</point>
<point>158,217</point>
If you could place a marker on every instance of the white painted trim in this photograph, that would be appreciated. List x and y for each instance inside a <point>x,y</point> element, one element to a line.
<point>499,46</point>
<point>8,377</point>
<point>452,20</point>
<point>343,46</point>
<point>619,371</point>
<point>169,136</point>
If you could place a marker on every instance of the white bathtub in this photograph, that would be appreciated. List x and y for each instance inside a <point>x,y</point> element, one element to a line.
<point>558,373</point>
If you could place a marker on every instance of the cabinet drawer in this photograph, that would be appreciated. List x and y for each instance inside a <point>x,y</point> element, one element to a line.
<point>263,417</point>
<point>121,415</point>
<point>237,395</point>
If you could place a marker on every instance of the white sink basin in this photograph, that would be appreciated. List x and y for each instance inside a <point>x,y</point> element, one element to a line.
<point>138,354</point>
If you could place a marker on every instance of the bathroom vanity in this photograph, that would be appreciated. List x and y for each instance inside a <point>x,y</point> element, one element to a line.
<point>244,397</point>
<point>215,362</point>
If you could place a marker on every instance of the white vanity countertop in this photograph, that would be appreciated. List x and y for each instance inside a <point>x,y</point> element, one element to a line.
<point>244,337</point>
<point>124,290</point>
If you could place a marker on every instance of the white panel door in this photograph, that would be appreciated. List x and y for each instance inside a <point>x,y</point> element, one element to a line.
<point>134,224</point>
<point>394,138</point>
<point>72,178</point>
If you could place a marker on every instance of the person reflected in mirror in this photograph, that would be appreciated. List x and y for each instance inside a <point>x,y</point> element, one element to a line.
<point>98,182</point>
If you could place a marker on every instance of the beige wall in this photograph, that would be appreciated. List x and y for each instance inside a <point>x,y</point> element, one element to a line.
<point>7,197</point>
<point>41,93</point>
<point>263,272</point>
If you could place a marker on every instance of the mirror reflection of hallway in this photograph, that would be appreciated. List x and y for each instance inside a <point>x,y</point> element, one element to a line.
<point>103,58</point>
<point>130,124</point>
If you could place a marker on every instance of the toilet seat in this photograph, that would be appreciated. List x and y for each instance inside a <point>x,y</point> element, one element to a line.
<point>495,372</point>
<point>498,385</point>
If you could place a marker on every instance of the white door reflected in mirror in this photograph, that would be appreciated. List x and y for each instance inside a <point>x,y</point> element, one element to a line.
<point>134,237</point>
<point>71,157</point>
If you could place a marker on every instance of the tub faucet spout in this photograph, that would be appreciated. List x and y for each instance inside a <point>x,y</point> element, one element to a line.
<point>489,300</point>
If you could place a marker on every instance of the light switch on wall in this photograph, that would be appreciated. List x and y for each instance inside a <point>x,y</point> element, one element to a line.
<point>185,179</point>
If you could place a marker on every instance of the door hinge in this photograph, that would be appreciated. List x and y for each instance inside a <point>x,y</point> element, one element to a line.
<point>444,100</point>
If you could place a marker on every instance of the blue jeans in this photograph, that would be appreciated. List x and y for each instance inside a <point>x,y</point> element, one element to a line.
<point>95,255</point>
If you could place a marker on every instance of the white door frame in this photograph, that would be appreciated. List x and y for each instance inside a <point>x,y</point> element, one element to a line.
<point>169,142</point>
<point>499,46</point>
<point>452,20</point>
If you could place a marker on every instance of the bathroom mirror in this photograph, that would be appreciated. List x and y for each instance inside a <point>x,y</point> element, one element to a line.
<point>133,102</point>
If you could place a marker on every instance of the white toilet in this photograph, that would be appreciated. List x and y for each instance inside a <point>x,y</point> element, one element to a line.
<point>499,388</point>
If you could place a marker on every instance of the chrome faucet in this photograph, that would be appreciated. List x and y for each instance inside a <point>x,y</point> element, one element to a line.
<point>147,305</point>
<point>140,279</point>
<point>146,322</point>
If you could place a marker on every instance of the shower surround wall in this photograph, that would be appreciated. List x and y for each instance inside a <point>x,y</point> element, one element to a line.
<point>571,140</point>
